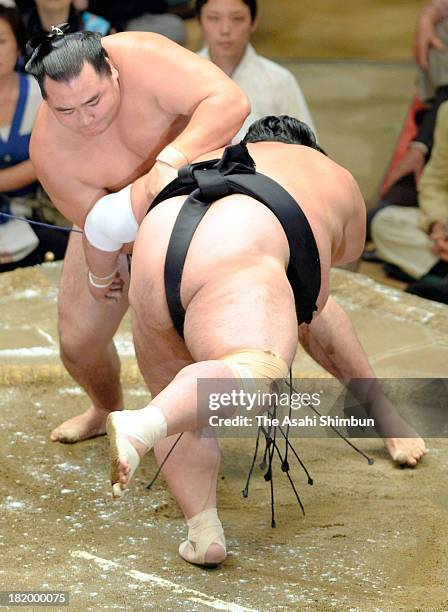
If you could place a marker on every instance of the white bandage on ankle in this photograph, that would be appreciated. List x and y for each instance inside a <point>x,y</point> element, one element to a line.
<point>148,425</point>
<point>204,529</point>
<point>111,222</point>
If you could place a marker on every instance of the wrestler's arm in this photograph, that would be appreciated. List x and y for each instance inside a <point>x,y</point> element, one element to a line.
<point>104,280</point>
<point>59,178</point>
<point>110,227</point>
<point>353,216</point>
<point>182,84</point>
<point>185,84</point>
<point>73,199</point>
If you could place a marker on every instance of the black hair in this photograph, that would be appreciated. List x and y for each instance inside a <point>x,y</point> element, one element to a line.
<point>12,16</point>
<point>252,4</point>
<point>61,56</point>
<point>282,129</point>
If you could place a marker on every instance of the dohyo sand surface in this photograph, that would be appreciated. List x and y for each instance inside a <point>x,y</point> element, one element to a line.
<point>373,538</point>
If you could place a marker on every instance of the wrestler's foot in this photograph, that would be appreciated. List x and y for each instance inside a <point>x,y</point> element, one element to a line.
<point>125,453</point>
<point>206,544</point>
<point>406,447</point>
<point>89,424</point>
<point>215,554</point>
<point>406,451</point>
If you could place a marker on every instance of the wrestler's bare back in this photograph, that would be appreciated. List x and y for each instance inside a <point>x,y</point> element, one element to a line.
<point>240,247</point>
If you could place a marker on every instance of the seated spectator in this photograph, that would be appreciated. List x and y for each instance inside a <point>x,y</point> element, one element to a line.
<point>272,90</point>
<point>416,239</point>
<point>19,101</point>
<point>141,16</point>
<point>46,13</point>
<point>431,53</point>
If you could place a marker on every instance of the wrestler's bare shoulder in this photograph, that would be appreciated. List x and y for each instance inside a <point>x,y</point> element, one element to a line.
<point>125,44</point>
<point>140,54</point>
<point>150,63</point>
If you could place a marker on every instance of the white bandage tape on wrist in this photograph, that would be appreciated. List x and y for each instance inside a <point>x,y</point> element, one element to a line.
<point>111,222</point>
<point>100,282</point>
<point>172,157</point>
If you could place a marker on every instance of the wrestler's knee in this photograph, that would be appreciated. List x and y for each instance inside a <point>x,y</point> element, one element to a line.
<point>74,344</point>
<point>82,337</point>
<point>244,366</point>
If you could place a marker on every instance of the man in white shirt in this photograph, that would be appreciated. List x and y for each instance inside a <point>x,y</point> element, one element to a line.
<point>272,90</point>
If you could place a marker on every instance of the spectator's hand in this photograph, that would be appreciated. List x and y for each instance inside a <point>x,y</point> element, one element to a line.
<point>111,293</point>
<point>441,249</point>
<point>425,38</point>
<point>437,230</point>
<point>412,161</point>
<point>157,178</point>
<point>438,236</point>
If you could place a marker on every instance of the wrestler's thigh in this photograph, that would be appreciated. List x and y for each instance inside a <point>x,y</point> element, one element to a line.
<point>80,314</point>
<point>249,308</point>
<point>160,354</point>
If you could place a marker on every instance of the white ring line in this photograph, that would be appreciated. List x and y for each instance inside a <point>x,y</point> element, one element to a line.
<point>192,594</point>
<point>46,335</point>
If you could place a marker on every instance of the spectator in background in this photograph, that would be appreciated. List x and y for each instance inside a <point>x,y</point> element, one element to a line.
<point>227,26</point>
<point>20,97</point>
<point>416,239</point>
<point>141,16</point>
<point>46,13</point>
<point>426,35</point>
<point>431,54</point>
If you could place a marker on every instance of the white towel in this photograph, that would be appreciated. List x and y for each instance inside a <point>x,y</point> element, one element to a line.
<point>17,240</point>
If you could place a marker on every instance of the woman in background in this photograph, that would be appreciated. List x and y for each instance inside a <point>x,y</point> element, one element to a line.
<point>20,245</point>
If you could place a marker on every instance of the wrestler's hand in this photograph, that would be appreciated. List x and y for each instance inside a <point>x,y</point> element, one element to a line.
<point>112,293</point>
<point>157,179</point>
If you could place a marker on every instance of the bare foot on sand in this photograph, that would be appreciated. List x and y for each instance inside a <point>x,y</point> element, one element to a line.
<point>125,453</point>
<point>404,444</point>
<point>89,424</point>
<point>406,451</point>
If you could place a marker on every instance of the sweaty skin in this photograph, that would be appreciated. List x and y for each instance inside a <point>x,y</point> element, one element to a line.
<point>95,135</point>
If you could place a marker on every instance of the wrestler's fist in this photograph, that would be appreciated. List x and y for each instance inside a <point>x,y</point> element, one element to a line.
<point>157,179</point>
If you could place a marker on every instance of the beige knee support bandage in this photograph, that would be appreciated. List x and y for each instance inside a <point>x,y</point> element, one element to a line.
<point>256,364</point>
<point>204,529</point>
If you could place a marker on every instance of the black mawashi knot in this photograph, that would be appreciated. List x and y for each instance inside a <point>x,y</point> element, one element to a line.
<point>212,185</point>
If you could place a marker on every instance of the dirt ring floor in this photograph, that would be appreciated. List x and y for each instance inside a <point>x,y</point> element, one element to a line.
<point>374,537</point>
